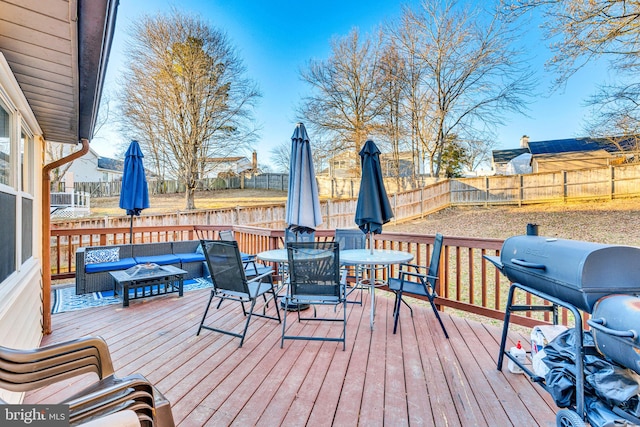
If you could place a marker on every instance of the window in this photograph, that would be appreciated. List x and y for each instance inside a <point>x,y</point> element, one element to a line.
<point>26,161</point>
<point>5,146</point>
<point>16,189</point>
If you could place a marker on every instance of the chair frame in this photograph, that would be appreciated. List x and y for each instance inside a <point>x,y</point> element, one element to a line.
<point>25,370</point>
<point>352,238</point>
<point>243,290</point>
<point>336,298</point>
<point>427,281</point>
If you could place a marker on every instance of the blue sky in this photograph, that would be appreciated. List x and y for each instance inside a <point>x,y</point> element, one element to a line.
<point>276,38</point>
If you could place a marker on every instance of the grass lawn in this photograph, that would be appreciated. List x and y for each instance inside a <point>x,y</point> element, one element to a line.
<point>171,203</point>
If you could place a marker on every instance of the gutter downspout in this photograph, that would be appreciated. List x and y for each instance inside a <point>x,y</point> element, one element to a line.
<point>46,232</point>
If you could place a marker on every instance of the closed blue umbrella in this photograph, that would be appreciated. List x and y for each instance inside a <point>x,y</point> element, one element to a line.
<point>303,202</point>
<point>134,195</point>
<point>373,208</point>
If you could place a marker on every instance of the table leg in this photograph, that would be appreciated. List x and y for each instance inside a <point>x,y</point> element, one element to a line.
<point>125,294</point>
<point>372,287</point>
<point>181,285</point>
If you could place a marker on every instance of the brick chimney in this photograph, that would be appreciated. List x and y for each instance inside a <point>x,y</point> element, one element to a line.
<point>524,141</point>
<point>254,161</point>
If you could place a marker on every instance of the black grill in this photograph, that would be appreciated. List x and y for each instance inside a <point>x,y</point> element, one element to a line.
<point>603,280</point>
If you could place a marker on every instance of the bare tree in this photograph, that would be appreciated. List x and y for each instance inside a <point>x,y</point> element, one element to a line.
<point>465,73</point>
<point>55,151</point>
<point>280,156</point>
<point>345,100</point>
<point>393,120</point>
<point>580,32</point>
<point>185,95</point>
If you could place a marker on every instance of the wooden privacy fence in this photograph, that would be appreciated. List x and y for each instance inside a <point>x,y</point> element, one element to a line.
<point>336,213</point>
<point>332,187</point>
<point>599,183</point>
<point>467,281</point>
<point>602,183</point>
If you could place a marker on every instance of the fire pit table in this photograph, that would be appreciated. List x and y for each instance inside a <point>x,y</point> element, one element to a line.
<point>148,280</point>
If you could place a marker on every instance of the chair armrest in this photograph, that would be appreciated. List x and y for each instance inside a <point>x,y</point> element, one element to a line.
<point>260,276</point>
<point>24,370</point>
<point>110,395</point>
<point>410,265</point>
<point>415,274</point>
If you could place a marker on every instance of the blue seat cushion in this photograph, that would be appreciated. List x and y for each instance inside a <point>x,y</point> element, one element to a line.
<point>158,259</point>
<point>190,257</point>
<point>123,264</point>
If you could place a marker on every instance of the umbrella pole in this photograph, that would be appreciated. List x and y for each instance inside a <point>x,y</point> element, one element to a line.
<point>131,230</point>
<point>372,283</point>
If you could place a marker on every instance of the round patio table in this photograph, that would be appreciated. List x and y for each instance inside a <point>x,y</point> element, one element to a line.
<point>371,258</point>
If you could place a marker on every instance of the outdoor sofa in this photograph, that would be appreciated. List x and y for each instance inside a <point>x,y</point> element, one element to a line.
<point>94,263</point>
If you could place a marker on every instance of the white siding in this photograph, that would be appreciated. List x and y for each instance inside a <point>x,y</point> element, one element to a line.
<point>85,169</point>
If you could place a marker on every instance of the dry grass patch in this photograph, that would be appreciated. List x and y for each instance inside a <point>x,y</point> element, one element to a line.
<point>175,202</point>
<point>612,222</point>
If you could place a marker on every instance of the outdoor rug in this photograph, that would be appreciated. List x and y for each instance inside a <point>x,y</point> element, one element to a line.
<point>65,299</point>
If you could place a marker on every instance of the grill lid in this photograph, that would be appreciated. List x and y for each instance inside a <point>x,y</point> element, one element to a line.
<point>573,271</point>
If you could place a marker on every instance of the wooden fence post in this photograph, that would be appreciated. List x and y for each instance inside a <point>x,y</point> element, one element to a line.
<point>612,177</point>
<point>521,192</point>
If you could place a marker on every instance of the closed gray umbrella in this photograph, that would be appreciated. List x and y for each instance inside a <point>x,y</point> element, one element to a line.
<point>303,201</point>
<point>373,208</point>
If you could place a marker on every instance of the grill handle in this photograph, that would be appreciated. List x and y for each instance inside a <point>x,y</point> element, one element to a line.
<point>599,324</point>
<point>526,264</point>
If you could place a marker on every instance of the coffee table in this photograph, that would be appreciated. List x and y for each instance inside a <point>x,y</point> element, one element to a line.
<point>161,280</point>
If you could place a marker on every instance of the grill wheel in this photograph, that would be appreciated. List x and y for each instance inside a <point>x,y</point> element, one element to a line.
<point>569,418</point>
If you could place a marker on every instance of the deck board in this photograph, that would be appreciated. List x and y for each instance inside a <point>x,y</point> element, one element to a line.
<point>415,377</point>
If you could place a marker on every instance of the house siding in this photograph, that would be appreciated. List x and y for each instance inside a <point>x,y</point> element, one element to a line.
<point>21,291</point>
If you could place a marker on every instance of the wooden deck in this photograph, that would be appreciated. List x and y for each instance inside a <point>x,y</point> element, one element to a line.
<point>416,377</point>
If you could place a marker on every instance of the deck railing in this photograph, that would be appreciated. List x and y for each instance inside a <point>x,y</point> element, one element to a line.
<point>468,282</point>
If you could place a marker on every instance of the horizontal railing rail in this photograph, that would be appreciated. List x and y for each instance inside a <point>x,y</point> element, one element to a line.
<point>468,282</point>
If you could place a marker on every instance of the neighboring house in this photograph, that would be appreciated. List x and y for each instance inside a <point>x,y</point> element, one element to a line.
<point>563,154</point>
<point>500,159</point>
<point>231,166</point>
<point>53,57</point>
<point>93,168</point>
<point>346,164</point>
<point>577,153</point>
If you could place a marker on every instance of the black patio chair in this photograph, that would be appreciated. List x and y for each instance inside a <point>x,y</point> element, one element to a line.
<point>352,238</point>
<point>314,279</point>
<point>230,283</point>
<point>252,267</point>
<point>413,280</point>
